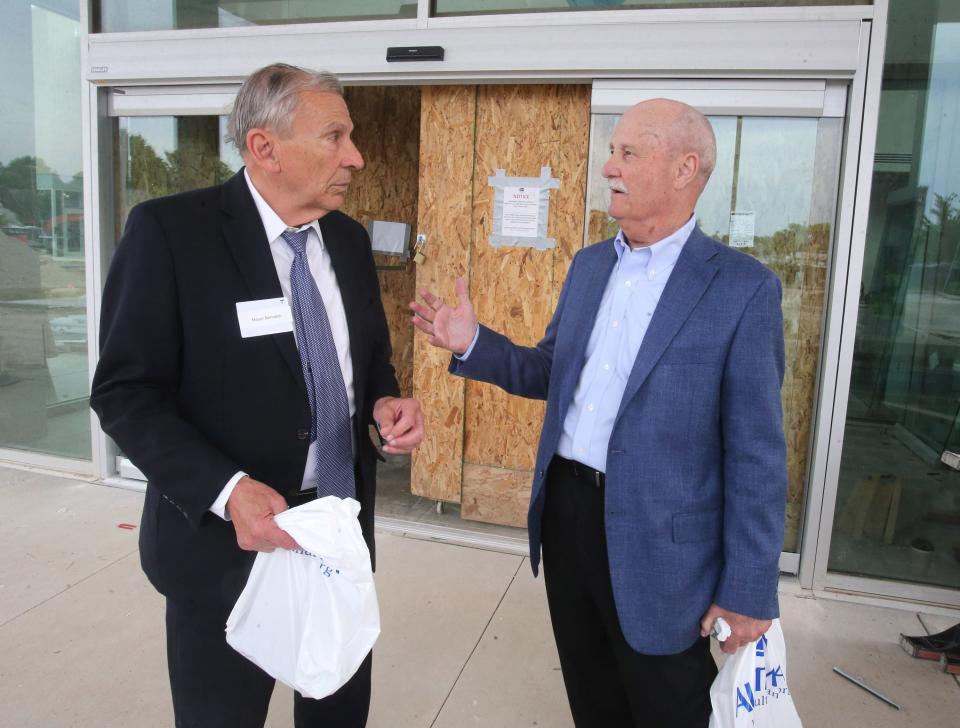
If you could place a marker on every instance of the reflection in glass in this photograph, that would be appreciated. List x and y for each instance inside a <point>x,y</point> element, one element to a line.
<point>163,155</point>
<point>777,178</point>
<point>898,500</point>
<point>112,16</point>
<point>476,7</point>
<point>43,324</point>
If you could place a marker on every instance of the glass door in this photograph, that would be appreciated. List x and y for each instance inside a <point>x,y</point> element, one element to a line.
<point>898,495</point>
<point>773,194</point>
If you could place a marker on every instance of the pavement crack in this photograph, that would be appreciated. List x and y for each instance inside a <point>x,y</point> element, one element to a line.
<point>68,587</point>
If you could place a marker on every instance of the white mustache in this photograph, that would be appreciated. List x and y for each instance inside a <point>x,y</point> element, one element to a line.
<point>617,185</point>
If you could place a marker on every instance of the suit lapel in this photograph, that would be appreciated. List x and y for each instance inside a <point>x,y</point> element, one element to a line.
<point>339,241</point>
<point>690,278</point>
<point>248,244</point>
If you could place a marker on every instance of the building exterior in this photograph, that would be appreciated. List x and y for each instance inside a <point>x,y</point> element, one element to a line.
<point>838,163</point>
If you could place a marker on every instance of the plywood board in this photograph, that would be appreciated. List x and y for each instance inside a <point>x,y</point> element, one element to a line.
<point>447,118</point>
<point>386,123</point>
<point>496,495</point>
<point>521,129</point>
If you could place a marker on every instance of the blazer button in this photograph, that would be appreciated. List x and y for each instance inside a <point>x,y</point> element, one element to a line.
<point>303,434</point>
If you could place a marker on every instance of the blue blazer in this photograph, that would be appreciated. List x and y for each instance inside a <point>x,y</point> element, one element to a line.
<point>696,465</point>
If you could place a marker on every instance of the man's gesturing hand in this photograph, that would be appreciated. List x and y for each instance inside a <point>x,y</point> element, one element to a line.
<point>452,329</point>
<point>744,630</point>
<point>252,506</point>
<point>400,422</point>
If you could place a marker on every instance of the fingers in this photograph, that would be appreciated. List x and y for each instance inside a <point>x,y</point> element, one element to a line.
<point>709,617</point>
<point>407,433</point>
<point>463,298</point>
<point>744,630</point>
<point>400,422</point>
<point>252,506</point>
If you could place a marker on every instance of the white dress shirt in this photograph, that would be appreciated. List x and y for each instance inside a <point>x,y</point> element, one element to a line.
<point>629,301</point>
<point>322,270</point>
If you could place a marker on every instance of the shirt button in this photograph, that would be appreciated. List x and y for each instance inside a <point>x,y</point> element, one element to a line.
<point>615,324</point>
<point>589,408</point>
<point>580,451</point>
<point>650,274</point>
<point>627,284</point>
<point>607,366</point>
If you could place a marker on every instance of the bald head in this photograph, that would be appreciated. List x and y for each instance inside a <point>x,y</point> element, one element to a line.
<point>680,127</point>
<point>661,155</point>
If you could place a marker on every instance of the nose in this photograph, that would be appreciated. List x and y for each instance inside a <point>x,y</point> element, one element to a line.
<point>609,169</point>
<point>352,159</point>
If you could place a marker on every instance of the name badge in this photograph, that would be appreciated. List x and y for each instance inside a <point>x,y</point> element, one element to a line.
<point>267,316</point>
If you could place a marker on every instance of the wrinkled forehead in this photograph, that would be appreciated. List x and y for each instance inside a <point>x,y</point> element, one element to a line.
<point>640,132</point>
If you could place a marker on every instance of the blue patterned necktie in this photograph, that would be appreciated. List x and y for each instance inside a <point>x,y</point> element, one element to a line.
<point>321,371</point>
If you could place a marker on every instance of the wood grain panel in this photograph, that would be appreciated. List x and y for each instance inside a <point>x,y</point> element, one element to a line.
<point>447,119</point>
<point>521,129</point>
<point>495,495</point>
<point>386,121</point>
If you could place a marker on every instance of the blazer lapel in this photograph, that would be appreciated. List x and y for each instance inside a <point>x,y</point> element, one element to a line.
<point>338,241</point>
<point>248,244</point>
<point>690,278</point>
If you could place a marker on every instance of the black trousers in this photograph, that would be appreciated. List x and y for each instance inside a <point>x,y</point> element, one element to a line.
<point>609,684</point>
<point>214,686</point>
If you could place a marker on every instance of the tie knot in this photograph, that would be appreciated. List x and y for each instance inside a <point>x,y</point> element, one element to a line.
<point>296,239</point>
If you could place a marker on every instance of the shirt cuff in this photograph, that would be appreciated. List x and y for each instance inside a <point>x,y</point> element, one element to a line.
<point>464,355</point>
<point>219,506</point>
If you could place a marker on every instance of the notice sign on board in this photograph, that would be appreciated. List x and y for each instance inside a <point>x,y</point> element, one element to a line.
<point>741,229</point>
<point>521,212</point>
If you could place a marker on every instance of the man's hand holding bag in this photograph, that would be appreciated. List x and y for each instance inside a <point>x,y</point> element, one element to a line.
<point>310,617</point>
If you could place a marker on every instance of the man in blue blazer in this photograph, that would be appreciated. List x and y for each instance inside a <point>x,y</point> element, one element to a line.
<point>660,483</point>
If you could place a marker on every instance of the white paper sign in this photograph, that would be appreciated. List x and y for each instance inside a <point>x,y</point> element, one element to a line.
<point>266,316</point>
<point>521,212</point>
<point>741,229</point>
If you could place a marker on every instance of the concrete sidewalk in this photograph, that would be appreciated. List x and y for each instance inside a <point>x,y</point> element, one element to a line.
<point>466,638</point>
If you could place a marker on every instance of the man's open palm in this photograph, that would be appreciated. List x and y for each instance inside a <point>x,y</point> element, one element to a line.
<point>452,329</point>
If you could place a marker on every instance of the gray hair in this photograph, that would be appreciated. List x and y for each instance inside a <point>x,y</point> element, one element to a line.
<point>268,99</point>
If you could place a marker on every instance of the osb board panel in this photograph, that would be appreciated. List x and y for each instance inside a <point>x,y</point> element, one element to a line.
<point>804,278</point>
<point>521,129</point>
<point>447,117</point>
<point>495,495</point>
<point>386,121</point>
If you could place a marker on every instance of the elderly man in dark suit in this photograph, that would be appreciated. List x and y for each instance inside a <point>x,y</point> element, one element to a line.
<point>244,352</point>
<point>660,482</point>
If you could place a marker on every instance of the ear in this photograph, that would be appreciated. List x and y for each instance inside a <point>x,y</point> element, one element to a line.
<point>688,170</point>
<point>261,150</point>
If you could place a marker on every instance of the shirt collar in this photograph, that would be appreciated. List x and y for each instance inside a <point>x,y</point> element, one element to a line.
<point>664,252</point>
<point>273,226</point>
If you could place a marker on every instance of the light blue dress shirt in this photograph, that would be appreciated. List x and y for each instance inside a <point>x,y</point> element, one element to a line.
<point>628,303</point>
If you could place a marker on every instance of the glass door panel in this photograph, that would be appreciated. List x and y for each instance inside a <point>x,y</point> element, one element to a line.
<point>773,195</point>
<point>44,384</point>
<point>898,495</point>
<point>163,155</point>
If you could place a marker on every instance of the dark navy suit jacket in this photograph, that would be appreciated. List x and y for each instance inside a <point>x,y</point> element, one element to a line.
<point>696,465</point>
<point>191,402</point>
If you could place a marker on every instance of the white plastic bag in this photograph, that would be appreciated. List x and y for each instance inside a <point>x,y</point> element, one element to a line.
<point>751,689</point>
<point>309,618</point>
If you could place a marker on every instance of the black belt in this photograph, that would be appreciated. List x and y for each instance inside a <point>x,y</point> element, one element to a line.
<point>580,471</point>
